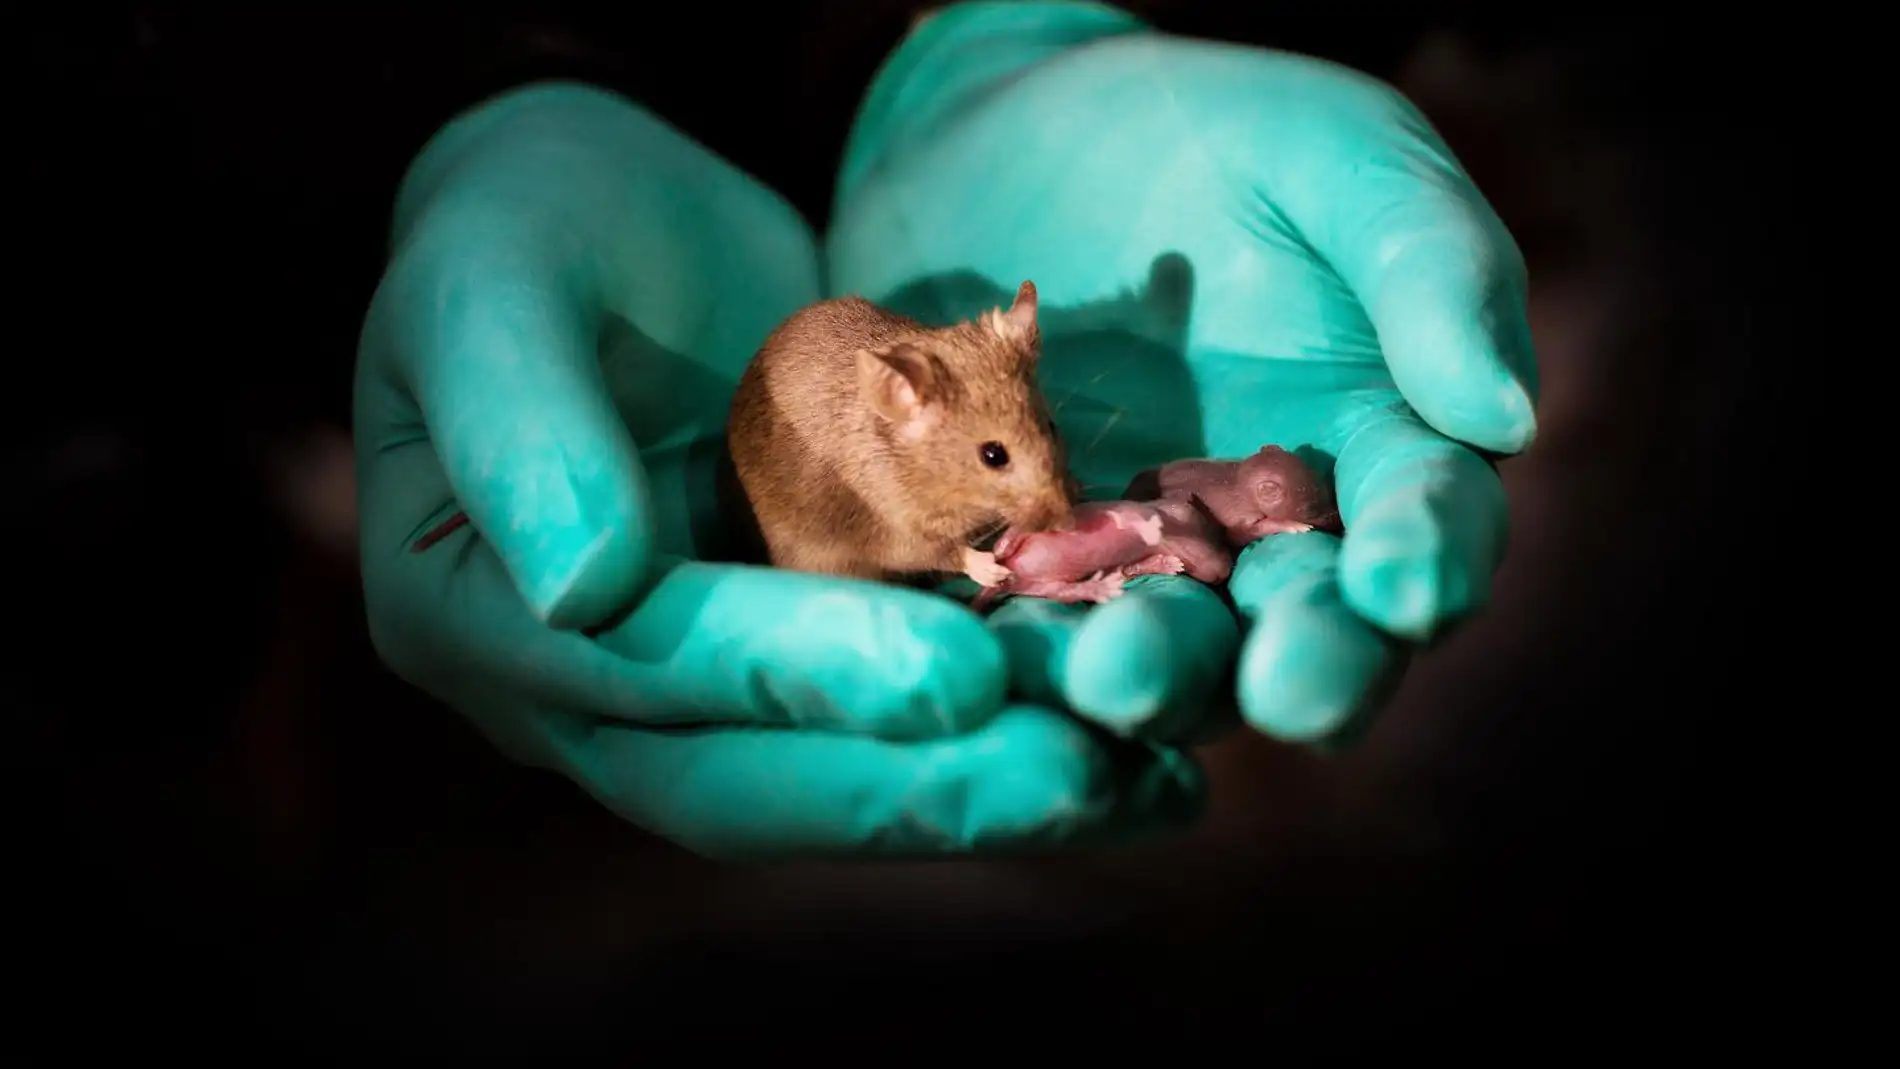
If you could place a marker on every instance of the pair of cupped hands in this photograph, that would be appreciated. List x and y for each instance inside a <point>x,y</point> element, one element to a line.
<point>1233,247</point>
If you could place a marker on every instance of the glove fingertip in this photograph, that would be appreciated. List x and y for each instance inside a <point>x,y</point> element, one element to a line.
<point>1303,682</point>
<point>1309,663</point>
<point>1448,296</point>
<point>1149,661</point>
<point>1415,601</point>
<point>592,580</point>
<point>1427,534</point>
<point>578,557</point>
<point>1461,372</point>
<point>1492,412</point>
<point>1035,636</point>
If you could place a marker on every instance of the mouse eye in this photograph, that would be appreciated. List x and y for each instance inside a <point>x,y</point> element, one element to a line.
<point>993,454</point>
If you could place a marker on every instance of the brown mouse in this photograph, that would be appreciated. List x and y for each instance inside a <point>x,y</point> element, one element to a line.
<point>869,445</point>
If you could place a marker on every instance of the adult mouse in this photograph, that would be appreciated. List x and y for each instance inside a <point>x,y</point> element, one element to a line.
<point>871,446</point>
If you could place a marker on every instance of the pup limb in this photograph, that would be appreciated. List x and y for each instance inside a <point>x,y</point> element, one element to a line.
<point>1101,587</point>
<point>1158,564</point>
<point>1264,526</point>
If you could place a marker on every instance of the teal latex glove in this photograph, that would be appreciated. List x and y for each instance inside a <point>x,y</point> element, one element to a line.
<point>1232,247</point>
<point>573,291</point>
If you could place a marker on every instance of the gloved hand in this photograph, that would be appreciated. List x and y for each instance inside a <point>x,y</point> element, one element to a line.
<point>573,291</point>
<point>1232,247</point>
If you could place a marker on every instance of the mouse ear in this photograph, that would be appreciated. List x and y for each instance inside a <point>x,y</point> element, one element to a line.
<point>895,381</point>
<point>1019,323</point>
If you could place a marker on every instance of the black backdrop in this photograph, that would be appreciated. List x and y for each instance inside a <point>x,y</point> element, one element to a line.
<point>206,190</point>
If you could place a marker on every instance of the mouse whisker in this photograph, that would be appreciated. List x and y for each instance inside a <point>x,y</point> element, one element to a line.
<point>988,531</point>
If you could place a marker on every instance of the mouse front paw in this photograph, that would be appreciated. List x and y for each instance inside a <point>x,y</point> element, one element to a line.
<point>983,568</point>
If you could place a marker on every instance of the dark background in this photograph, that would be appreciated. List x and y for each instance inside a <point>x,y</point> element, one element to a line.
<point>257,836</point>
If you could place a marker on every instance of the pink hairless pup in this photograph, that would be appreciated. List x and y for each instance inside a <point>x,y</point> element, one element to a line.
<point>1185,518</point>
<point>1110,543</point>
<point>1271,492</point>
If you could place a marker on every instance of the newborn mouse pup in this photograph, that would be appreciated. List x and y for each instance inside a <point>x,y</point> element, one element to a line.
<point>1271,492</point>
<point>1110,543</point>
<point>869,445</point>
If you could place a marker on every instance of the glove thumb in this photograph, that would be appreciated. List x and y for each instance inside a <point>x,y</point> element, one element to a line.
<point>503,365</point>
